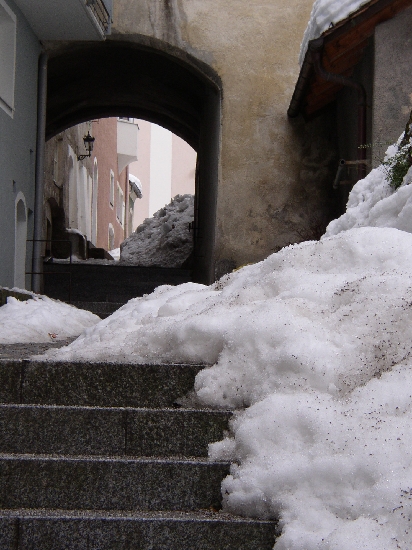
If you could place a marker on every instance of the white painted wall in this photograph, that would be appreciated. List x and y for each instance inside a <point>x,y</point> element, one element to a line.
<point>160,168</point>
<point>166,167</point>
<point>127,139</point>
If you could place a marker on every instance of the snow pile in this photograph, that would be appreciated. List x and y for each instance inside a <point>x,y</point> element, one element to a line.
<point>324,14</point>
<point>41,320</point>
<point>372,202</point>
<point>115,254</point>
<point>316,341</point>
<point>163,240</point>
<point>136,185</point>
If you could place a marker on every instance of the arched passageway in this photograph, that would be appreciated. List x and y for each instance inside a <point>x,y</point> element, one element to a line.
<point>128,78</point>
<point>20,232</point>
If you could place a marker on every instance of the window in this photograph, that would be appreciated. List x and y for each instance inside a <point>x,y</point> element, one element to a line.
<point>7,57</point>
<point>120,205</point>
<point>111,198</point>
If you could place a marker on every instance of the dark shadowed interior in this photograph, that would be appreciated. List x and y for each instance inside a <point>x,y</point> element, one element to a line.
<point>151,81</point>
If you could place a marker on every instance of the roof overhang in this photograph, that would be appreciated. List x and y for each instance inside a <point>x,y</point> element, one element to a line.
<point>341,49</point>
<point>67,19</point>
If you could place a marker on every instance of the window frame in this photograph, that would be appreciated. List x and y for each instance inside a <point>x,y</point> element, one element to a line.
<point>111,190</point>
<point>8,37</point>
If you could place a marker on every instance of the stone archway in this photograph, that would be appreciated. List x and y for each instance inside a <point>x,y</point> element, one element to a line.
<point>127,78</point>
<point>20,241</point>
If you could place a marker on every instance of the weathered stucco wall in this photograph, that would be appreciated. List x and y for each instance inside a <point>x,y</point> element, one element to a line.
<point>392,100</point>
<point>18,149</point>
<point>263,201</point>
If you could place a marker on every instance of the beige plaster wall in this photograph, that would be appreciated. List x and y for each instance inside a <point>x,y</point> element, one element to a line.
<point>253,45</point>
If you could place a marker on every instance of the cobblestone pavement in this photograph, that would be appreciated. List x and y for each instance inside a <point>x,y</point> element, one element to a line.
<point>23,351</point>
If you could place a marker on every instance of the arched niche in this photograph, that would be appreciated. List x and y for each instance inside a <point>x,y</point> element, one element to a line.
<point>128,77</point>
<point>20,241</point>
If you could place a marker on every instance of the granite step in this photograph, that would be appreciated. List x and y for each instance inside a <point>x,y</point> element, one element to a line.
<point>96,281</point>
<point>107,483</point>
<point>62,430</point>
<point>102,309</point>
<point>94,384</point>
<point>94,456</point>
<point>100,530</point>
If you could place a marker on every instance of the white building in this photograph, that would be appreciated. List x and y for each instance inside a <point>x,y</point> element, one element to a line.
<point>166,167</point>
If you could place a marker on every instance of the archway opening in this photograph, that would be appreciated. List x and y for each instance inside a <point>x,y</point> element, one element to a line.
<point>20,243</point>
<point>169,88</point>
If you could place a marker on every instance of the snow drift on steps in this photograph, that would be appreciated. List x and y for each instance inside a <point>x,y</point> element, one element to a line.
<point>373,203</point>
<point>316,342</point>
<point>40,320</point>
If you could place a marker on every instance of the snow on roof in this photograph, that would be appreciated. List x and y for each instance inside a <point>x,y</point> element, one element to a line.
<point>137,185</point>
<point>326,13</point>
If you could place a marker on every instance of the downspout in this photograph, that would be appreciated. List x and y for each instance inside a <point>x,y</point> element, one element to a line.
<point>37,261</point>
<point>316,47</point>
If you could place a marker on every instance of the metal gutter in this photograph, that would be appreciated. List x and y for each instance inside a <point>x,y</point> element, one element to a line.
<point>302,85</point>
<point>316,47</point>
<point>37,260</point>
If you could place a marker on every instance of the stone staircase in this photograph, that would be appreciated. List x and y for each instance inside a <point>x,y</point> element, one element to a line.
<point>93,456</point>
<point>104,287</point>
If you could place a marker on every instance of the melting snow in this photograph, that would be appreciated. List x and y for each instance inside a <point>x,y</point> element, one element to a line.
<point>41,320</point>
<point>315,342</point>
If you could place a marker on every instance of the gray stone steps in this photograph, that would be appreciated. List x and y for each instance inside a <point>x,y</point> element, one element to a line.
<point>90,281</point>
<point>94,384</point>
<point>102,309</point>
<point>93,456</point>
<point>55,429</point>
<point>100,530</point>
<point>99,483</point>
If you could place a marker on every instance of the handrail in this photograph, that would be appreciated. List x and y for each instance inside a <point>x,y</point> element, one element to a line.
<point>59,272</point>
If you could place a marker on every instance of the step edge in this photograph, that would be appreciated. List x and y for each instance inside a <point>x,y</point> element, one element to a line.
<point>124,515</point>
<point>147,410</point>
<point>183,461</point>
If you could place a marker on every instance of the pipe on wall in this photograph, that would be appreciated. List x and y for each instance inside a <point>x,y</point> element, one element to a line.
<point>316,47</point>
<point>37,260</point>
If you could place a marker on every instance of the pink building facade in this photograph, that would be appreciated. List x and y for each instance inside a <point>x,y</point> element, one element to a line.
<point>166,167</point>
<point>89,197</point>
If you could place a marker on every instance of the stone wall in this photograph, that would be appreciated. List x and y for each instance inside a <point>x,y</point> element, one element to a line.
<point>266,193</point>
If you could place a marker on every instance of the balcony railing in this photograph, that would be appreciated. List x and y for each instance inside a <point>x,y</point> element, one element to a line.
<point>100,12</point>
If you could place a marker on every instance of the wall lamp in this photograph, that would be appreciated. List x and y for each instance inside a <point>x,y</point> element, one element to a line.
<point>88,143</point>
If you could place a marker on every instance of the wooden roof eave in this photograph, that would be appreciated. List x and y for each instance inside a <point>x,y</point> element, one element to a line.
<point>341,47</point>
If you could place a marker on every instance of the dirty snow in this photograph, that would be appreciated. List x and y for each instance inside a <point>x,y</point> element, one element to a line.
<point>163,240</point>
<point>315,342</point>
<point>115,254</point>
<point>41,320</point>
<point>326,13</point>
<point>373,203</point>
